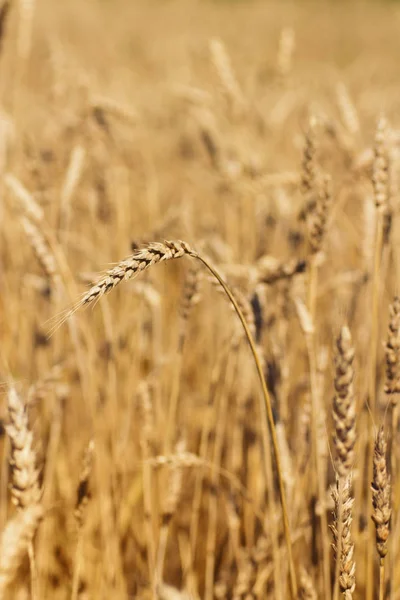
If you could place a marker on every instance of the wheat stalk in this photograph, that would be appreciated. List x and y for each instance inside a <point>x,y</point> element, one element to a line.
<point>82,500</point>
<point>153,254</point>
<point>380,181</point>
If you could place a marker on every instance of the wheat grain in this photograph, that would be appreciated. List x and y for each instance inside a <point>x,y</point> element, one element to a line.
<point>381,495</point>
<point>25,490</point>
<point>344,408</point>
<point>392,348</point>
<point>343,545</point>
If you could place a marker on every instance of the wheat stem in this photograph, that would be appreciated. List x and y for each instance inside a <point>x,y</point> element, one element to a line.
<point>154,254</point>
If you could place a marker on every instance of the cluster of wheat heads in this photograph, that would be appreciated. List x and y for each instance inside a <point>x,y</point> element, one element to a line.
<point>156,443</point>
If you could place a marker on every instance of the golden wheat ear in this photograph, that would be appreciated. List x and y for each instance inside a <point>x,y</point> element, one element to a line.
<point>141,260</point>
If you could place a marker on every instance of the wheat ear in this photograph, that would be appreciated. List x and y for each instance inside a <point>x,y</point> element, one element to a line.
<point>380,181</point>
<point>344,417</point>
<point>392,389</point>
<point>344,408</point>
<point>343,542</point>
<point>319,211</point>
<point>15,541</point>
<point>25,490</point>
<point>381,504</point>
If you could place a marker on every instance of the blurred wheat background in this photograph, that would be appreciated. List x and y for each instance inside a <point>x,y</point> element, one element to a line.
<point>223,425</point>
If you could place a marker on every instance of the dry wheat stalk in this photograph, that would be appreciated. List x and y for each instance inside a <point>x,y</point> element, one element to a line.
<point>143,260</point>
<point>82,499</point>
<point>344,407</point>
<point>189,297</point>
<point>381,495</point>
<point>25,490</point>
<point>380,181</point>
<point>343,543</point>
<point>147,413</point>
<point>170,504</point>
<point>15,541</point>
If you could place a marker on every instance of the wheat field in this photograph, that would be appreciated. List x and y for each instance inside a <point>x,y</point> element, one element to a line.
<point>223,425</point>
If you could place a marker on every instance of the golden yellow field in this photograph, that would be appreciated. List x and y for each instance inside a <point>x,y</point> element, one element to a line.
<point>210,427</point>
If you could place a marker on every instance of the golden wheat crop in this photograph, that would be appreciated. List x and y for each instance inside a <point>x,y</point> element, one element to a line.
<point>226,425</point>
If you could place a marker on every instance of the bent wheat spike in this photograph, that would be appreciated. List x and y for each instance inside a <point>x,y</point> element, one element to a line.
<point>139,261</point>
<point>155,253</point>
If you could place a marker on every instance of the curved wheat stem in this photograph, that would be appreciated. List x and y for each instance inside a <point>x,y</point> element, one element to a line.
<point>155,253</point>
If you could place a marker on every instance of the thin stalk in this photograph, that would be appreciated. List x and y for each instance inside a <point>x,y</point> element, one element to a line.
<point>204,442</point>
<point>270,418</point>
<point>77,568</point>
<point>211,536</point>
<point>382,579</point>
<point>174,400</point>
<point>145,259</point>
<point>33,570</point>
<point>372,390</point>
<point>339,519</point>
<point>319,470</point>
